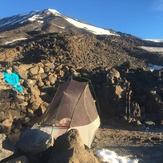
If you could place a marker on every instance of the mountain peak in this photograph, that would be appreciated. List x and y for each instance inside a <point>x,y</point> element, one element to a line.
<point>50,20</point>
<point>53,11</point>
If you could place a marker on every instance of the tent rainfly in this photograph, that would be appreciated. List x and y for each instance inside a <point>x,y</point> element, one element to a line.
<point>72,107</point>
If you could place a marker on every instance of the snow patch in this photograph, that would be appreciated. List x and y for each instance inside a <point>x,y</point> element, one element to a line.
<point>111,157</point>
<point>154,67</point>
<point>90,28</point>
<point>40,21</point>
<point>15,19</point>
<point>152,49</point>
<point>55,12</point>
<point>154,40</point>
<point>19,39</point>
<point>35,17</point>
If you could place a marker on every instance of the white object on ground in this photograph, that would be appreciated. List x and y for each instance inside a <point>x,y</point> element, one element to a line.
<point>111,157</point>
<point>154,67</point>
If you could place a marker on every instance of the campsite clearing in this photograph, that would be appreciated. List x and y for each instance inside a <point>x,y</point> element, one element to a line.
<point>146,145</point>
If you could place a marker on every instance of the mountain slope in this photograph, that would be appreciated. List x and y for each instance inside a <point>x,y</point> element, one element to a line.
<point>48,33</point>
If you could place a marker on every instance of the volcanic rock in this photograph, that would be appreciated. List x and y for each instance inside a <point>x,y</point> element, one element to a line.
<point>70,148</point>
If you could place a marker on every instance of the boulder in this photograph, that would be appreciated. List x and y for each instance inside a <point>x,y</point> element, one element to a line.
<point>3,86</point>
<point>50,65</point>
<point>22,70</point>
<point>31,83</point>
<point>70,148</point>
<point>52,78</point>
<point>34,70</point>
<point>35,91</point>
<point>36,103</point>
<point>41,70</point>
<point>1,76</point>
<point>40,83</point>
<point>33,141</point>
<point>108,98</point>
<point>6,124</point>
<point>113,76</point>
<point>6,147</point>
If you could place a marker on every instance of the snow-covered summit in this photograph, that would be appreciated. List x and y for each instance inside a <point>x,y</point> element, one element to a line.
<point>50,20</point>
<point>55,12</point>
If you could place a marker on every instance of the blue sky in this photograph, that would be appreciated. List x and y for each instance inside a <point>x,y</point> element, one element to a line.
<point>141,18</point>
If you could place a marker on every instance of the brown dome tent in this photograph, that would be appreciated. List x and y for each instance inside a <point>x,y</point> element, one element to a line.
<point>72,107</point>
